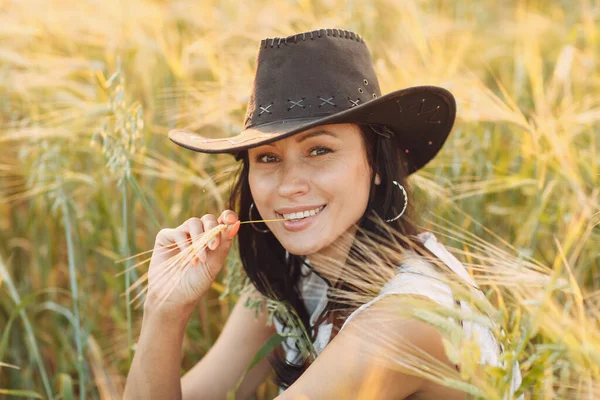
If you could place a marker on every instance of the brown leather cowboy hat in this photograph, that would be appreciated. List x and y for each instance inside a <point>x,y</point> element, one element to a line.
<point>326,77</point>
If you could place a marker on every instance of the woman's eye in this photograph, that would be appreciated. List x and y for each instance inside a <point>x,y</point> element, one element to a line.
<point>320,150</point>
<point>264,158</point>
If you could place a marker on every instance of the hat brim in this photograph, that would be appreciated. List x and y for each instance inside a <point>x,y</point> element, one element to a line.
<point>421,118</point>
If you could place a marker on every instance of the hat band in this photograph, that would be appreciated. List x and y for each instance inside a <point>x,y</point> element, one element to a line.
<point>312,35</point>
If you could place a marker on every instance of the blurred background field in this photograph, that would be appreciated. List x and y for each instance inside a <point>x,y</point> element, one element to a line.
<point>89,90</point>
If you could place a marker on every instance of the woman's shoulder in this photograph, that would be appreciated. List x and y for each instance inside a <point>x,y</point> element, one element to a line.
<point>431,243</point>
<point>418,275</point>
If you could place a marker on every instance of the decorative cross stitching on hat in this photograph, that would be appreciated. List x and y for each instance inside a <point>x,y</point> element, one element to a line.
<point>421,110</point>
<point>296,103</point>
<point>326,101</point>
<point>265,109</point>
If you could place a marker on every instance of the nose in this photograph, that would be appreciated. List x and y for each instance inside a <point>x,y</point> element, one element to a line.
<point>294,180</point>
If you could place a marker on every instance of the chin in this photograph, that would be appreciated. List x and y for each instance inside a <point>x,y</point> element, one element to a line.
<point>303,249</point>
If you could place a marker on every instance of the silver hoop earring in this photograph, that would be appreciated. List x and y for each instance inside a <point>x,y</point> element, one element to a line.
<point>252,223</point>
<point>405,202</point>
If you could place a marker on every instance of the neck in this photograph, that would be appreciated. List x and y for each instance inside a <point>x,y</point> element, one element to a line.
<point>329,262</point>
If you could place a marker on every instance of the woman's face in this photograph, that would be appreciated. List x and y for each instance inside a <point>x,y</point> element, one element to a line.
<point>323,171</point>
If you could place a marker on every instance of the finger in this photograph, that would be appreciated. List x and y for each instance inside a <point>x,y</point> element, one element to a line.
<point>233,230</point>
<point>195,226</point>
<point>210,221</point>
<point>228,217</point>
<point>226,237</point>
<point>168,237</point>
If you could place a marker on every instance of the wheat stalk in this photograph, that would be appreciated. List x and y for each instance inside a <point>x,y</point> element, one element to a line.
<point>174,267</point>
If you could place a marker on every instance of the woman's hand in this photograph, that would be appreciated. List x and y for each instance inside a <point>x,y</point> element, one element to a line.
<point>176,287</point>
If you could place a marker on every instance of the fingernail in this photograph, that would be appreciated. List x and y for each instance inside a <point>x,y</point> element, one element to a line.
<point>234,230</point>
<point>212,244</point>
<point>202,256</point>
<point>230,218</point>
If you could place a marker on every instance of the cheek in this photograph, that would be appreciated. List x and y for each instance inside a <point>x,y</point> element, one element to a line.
<point>352,183</point>
<point>261,186</point>
<point>359,186</point>
<point>359,173</point>
<point>363,184</point>
<point>253,182</point>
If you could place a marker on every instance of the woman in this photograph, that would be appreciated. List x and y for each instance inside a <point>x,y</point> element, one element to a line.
<point>323,149</point>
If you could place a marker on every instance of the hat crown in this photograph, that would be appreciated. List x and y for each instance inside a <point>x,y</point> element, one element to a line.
<point>310,74</point>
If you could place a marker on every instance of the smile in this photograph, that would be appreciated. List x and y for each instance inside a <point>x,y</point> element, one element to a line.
<point>302,214</point>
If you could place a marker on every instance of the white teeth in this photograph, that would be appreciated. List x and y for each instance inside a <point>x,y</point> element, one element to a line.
<point>303,214</point>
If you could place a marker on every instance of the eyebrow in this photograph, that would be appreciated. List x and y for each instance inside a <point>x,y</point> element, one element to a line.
<point>316,133</point>
<point>309,135</point>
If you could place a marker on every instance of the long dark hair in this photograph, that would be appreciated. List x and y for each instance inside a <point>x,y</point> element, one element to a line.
<point>264,258</point>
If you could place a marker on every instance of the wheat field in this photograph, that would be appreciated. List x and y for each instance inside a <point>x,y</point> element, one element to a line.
<point>89,90</point>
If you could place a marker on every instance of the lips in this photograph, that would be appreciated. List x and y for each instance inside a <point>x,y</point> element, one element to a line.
<point>298,225</point>
<point>301,214</point>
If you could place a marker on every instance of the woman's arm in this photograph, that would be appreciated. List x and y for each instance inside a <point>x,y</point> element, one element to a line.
<point>155,368</point>
<point>347,370</point>
<point>227,360</point>
<point>154,372</point>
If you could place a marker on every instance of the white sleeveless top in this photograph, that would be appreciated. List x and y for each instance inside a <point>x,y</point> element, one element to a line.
<point>421,282</point>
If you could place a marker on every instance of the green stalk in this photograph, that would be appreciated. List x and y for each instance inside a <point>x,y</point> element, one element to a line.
<point>125,250</point>
<point>75,294</point>
<point>12,290</point>
<point>140,195</point>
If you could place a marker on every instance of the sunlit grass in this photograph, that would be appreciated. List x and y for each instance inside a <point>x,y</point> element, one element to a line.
<point>515,192</point>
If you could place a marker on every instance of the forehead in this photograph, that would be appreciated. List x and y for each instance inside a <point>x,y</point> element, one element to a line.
<point>333,131</point>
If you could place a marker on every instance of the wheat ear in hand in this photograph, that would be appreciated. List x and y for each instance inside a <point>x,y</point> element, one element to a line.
<point>174,267</point>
